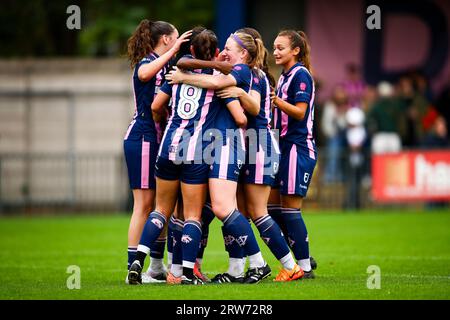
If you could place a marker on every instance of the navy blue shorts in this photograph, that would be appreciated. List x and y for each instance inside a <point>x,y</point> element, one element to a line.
<point>140,156</point>
<point>186,172</point>
<point>261,162</point>
<point>295,172</point>
<point>228,160</point>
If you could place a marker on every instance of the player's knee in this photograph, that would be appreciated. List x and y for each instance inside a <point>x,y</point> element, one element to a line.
<point>221,209</point>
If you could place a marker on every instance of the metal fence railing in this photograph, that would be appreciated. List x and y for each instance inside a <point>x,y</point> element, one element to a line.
<point>78,182</point>
<point>99,182</point>
<point>338,184</point>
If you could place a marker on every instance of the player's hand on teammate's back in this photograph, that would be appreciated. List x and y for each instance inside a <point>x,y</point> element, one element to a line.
<point>174,76</point>
<point>230,92</point>
<point>224,67</point>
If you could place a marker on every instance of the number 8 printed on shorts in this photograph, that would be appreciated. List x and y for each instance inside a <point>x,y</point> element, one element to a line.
<point>188,104</point>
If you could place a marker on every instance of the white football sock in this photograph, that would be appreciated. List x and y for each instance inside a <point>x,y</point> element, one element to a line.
<point>176,270</point>
<point>305,264</point>
<point>236,267</point>
<point>156,265</point>
<point>256,261</point>
<point>288,262</point>
<point>169,259</point>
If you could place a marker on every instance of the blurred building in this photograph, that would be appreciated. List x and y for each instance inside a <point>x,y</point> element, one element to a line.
<point>61,129</point>
<point>62,121</point>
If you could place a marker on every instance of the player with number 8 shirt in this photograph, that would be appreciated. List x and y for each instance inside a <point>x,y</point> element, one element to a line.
<point>180,161</point>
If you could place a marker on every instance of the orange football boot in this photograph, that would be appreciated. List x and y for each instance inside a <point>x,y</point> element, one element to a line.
<point>289,275</point>
<point>171,279</point>
<point>199,274</point>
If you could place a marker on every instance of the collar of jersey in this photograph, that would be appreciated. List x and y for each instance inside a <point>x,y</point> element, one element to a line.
<point>298,64</point>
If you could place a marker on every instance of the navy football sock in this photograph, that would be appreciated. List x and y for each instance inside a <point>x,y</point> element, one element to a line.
<point>298,235</point>
<point>150,234</point>
<point>190,241</point>
<point>272,236</point>
<point>274,211</point>
<point>157,248</point>
<point>170,228</point>
<point>131,255</point>
<point>241,231</point>
<point>231,245</point>
<point>207,217</point>
<point>177,253</point>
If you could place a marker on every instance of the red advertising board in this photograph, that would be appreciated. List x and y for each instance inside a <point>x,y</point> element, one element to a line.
<point>411,176</point>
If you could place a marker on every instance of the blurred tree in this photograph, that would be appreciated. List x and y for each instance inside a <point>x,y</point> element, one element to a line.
<point>38,27</point>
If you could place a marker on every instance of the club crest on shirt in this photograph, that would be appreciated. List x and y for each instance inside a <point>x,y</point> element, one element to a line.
<point>303,86</point>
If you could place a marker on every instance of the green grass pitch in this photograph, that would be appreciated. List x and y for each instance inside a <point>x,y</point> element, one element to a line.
<point>412,250</point>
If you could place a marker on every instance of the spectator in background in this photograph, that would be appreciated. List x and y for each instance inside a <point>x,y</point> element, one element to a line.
<point>421,84</point>
<point>369,98</point>
<point>415,106</point>
<point>356,136</point>
<point>333,126</point>
<point>437,137</point>
<point>385,121</point>
<point>443,103</point>
<point>354,86</point>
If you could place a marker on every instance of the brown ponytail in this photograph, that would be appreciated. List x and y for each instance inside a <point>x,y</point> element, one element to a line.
<point>254,48</point>
<point>204,45</point>
<point>305,48</point>
<point>300,40</point>
<point>264,65</point>
<point>145,38</point>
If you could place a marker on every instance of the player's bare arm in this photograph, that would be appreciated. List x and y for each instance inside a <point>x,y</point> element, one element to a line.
<point>191,64</point>
<point>214,82</point>
<point>296,111</point>
<point>148,71</point>
<point>251,102</point>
